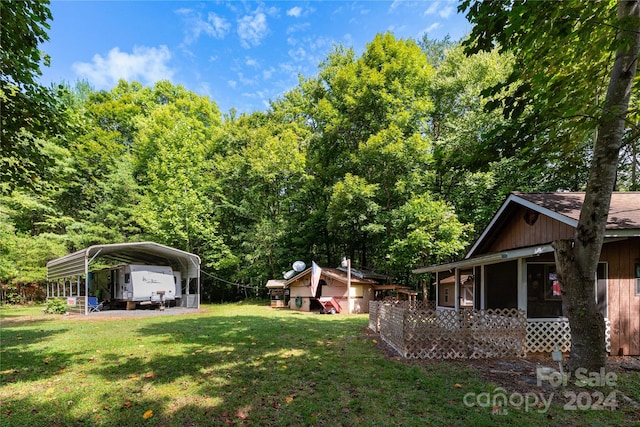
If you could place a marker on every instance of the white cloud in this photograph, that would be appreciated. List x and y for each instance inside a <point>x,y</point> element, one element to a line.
<point>442,11</point>
<point>214,26</point>
<point>271,11</point>
<point>250,62</point>
<point>299,54</point>
<point>446,12</point>
<point>268,73</point>
<point>232,83</point>
<point>246,80</point>
<point>298,28</point>
<point>296,12</point>
<point>219,26</point>
<point>252,29</point>
<point>432,28</point>
<point>395,4</point>
<point>145,64</point>
<point>433,8</point>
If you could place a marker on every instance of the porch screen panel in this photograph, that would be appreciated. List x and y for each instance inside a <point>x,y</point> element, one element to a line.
<point>501,286</point>
<point>544,298</point>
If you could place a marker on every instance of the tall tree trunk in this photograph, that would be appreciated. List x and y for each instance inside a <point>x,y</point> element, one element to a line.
<point>577,259</point>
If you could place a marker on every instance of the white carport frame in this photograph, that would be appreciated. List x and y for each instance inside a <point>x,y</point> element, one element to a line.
<point>77,264</point>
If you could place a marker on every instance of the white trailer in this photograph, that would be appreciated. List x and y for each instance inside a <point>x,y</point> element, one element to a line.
<point>138,284</point>
<point>147,284</point>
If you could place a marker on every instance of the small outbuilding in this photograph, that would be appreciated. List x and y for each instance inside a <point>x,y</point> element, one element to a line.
<point>278,295</point>
<point>352,289</point>
<point>130,274</point>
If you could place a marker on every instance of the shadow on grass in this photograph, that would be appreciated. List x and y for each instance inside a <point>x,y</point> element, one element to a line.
<point>287,370</point>
<point>255,367</point>
<point>21,361</point>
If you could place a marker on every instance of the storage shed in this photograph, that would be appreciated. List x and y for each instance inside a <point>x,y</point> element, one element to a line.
<point>352,292</point>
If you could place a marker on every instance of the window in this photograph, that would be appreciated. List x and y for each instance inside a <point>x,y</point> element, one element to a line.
<point>638,279</point>
<point>446,294</point>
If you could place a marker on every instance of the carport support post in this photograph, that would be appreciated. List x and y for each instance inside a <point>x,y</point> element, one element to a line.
<point>86,286</point>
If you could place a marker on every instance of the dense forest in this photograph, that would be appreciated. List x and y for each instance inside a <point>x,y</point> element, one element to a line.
<point>396,158</point>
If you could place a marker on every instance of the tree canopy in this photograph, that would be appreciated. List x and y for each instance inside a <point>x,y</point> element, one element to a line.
<point>395,158</point>
<point>29,112</point>
<point>555,100</point>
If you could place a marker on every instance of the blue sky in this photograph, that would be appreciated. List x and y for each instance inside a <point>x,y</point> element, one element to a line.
<point>239,53</point>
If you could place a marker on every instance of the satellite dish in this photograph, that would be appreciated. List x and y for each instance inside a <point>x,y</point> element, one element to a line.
<point>299,266</point>
<point>289,274</point>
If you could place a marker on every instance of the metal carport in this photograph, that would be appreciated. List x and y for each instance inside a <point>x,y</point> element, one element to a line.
<point>78,265</point>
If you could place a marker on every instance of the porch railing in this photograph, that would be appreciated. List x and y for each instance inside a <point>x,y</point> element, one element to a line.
<point>449,334</point>
<point>416,330</point>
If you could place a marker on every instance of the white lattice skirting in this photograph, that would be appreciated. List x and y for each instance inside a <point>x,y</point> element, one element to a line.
<point>449,334</point>
<point>428,333</point>
<point>544,335</point>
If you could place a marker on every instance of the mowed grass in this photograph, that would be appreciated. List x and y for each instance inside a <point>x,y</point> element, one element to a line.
<point>235,364</point>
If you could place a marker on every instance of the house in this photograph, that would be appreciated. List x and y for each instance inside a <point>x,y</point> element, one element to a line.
<point>511,265</point>
<point>351,288</point>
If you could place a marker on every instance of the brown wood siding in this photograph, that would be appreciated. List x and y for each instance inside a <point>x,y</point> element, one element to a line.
<point>518,234</point>
<point>624,304</point>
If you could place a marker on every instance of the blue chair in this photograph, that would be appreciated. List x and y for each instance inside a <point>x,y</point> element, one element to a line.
<point>94,306</point>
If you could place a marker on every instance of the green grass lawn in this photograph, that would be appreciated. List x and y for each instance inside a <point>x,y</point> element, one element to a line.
<point>236,364</point>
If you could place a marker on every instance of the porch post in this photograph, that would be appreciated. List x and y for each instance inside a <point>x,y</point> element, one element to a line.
<point>437,289</point>
<point>482,288</point>
<point>456,290</point>
<point>522,284</point>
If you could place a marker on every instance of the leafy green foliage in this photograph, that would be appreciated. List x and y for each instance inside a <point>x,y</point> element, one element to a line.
<point>28,111</point>
<point>557,99</point>
<point>395,158</point>
<point>425,231</point>
<point>554,98</point>
<point>55,306</point>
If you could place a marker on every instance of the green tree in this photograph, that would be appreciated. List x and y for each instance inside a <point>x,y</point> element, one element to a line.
<point>28,111</point>
<point>425,231</point>
<point>352,215</point>
<point>177,205</point>
<point>458,126</point>
<point>586,85</point>
<point>260,162</point>
<point>368,116</point>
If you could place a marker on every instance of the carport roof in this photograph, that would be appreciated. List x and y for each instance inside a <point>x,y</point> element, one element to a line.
<point>77,263</point>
